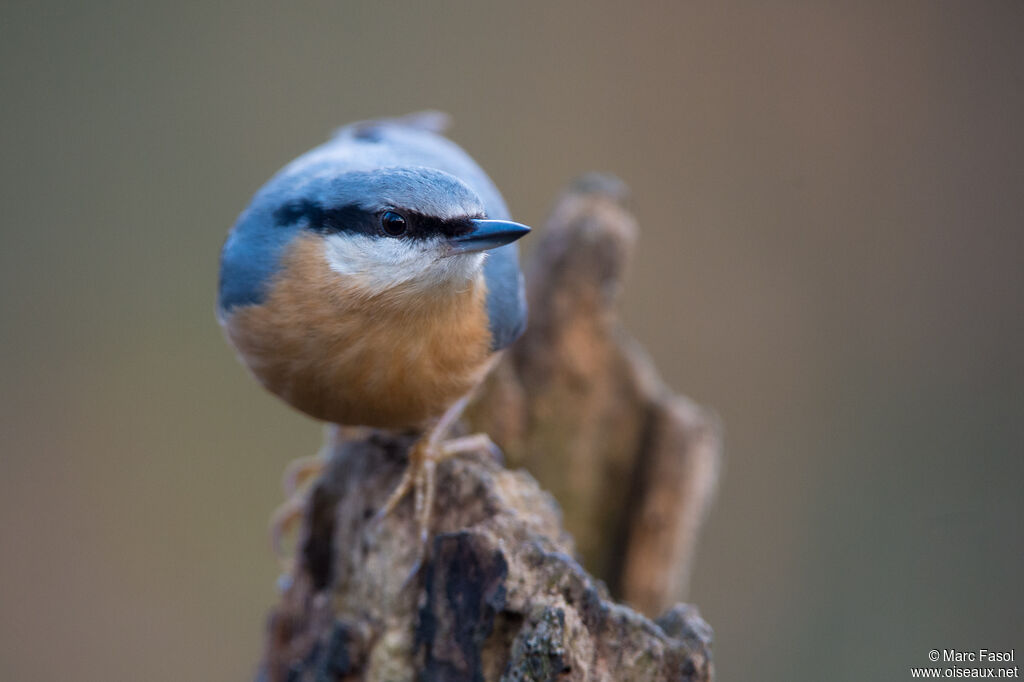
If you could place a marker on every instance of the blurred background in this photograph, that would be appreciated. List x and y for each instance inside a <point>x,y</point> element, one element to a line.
<point>831,199</point>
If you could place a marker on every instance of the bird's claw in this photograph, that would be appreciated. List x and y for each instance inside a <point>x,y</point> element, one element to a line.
<point>476,443</point>
<point>296,482</point>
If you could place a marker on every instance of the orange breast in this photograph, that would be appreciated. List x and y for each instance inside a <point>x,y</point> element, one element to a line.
<point>393,360</point>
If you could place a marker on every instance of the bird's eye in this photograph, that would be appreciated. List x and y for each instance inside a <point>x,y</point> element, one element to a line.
<point>392,224</point>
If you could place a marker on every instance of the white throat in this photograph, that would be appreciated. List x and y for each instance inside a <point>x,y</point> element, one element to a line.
<point>377,265</point>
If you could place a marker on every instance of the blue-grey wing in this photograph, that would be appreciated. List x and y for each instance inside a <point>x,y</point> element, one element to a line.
<point>506,296</point>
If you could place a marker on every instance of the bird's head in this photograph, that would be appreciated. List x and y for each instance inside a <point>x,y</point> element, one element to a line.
<point>410,229</point>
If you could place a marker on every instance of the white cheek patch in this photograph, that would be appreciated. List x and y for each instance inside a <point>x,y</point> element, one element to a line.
<point>377,264</point>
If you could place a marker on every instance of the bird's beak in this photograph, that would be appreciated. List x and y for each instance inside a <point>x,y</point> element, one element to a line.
<point>487,234</point>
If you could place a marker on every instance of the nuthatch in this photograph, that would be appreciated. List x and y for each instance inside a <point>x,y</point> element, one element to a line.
<point>372,282</point>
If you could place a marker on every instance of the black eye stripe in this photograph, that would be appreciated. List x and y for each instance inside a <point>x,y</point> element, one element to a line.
<point>349,218</point>
<point>354,219</point>
<point>429,226</point>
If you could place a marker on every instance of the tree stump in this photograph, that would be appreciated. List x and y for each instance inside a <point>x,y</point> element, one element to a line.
<point>501,595</point>
<point>578,403</point>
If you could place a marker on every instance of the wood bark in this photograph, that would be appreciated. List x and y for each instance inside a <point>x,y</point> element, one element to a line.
<point>501,594</point>
<point>579,404</point>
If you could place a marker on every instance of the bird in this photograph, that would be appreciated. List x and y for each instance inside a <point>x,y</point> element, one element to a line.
<point>374,281</point>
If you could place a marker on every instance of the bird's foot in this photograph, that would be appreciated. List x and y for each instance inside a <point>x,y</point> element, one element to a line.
<point>420,479</point>
<point>478,443</point>
<point>296,482</point>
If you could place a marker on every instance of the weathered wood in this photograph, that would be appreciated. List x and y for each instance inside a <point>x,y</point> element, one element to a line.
<point>578,403</point>
<point>500,597</point>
